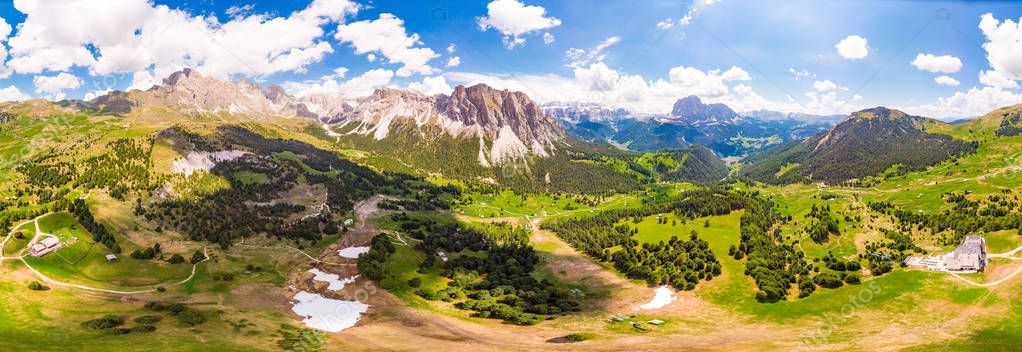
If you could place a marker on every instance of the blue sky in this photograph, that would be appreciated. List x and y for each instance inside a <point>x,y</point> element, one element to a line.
<point>742,53</point>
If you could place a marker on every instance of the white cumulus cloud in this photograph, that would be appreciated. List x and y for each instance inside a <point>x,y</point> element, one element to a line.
<point>667,23</point>
<point>12,93</point>
<point>135,35</point>
<point>386,35</point>
<point>694,9</point>
<point>946,80</point>
<point>56,85</point>
<point>454,61</point>
<point>432,86</point>
<point>1003,51</point>
<point>5,31</point>
<point>513,19</point>
<point>548,38</point>
<point>970,103</point>
<point>933,63</point>
<point>580,57</point>
<point>801,73</point>
<point>827,86</point>
<point>853,47</point>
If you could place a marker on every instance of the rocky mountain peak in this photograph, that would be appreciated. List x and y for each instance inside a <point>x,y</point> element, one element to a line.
<point>878,113</point>
<point>180,76</point>
<point>508,124</point>
<point>692,110</point>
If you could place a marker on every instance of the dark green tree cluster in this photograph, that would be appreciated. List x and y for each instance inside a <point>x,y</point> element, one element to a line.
<point>371,263</point>
<point>772,263</point>
<point>112,325</point>
<point>125,168</point>
<point>99,232</point>
<point>679,263</point>
<point>838,264</point>
<point>1011,124</point>
<point>490,270</point>
<point>146,253</point>
<point>822,224</point>
<point>184,314</point>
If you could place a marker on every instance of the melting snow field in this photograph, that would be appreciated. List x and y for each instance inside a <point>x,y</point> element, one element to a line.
<point>327,314</point>
<point>336,284</point>
<point>352,252</point>
<point>662,297</point>
<point>204,161</point>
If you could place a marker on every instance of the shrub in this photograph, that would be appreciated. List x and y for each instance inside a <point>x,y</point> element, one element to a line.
<point>414,282</point>
<point>106,322</point>
<point>117,331</point>
<point>828,280</point>
<point>176,259</point>
<point>578,337</point>
<point>148,319</point>
<point>198,257</point>
<point>143,328</point>
<point>36,286</point>
<point>191,317</point>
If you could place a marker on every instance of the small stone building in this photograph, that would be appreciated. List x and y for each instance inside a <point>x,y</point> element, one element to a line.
<point>970,256</point>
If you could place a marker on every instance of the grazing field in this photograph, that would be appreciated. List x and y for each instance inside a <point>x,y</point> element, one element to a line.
<point>511,204</point>
<point>721,232</point>
<point>82,261</point>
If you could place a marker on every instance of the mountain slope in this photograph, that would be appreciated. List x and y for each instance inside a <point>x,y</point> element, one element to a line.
<point>693,163</point>
<point>868,143</point>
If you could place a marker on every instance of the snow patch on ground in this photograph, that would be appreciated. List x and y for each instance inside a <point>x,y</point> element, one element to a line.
<point>204,161</point>
<point>352,252</point>
<point>327,314</point>
<point>662,297</point>
<point>336,284</point>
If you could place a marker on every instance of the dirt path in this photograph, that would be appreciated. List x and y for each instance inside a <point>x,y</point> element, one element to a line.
<point>15,228</point>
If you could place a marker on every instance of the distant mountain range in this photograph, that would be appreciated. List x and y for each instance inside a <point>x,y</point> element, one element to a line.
<point>868,143</point>
<point>717,126</point>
